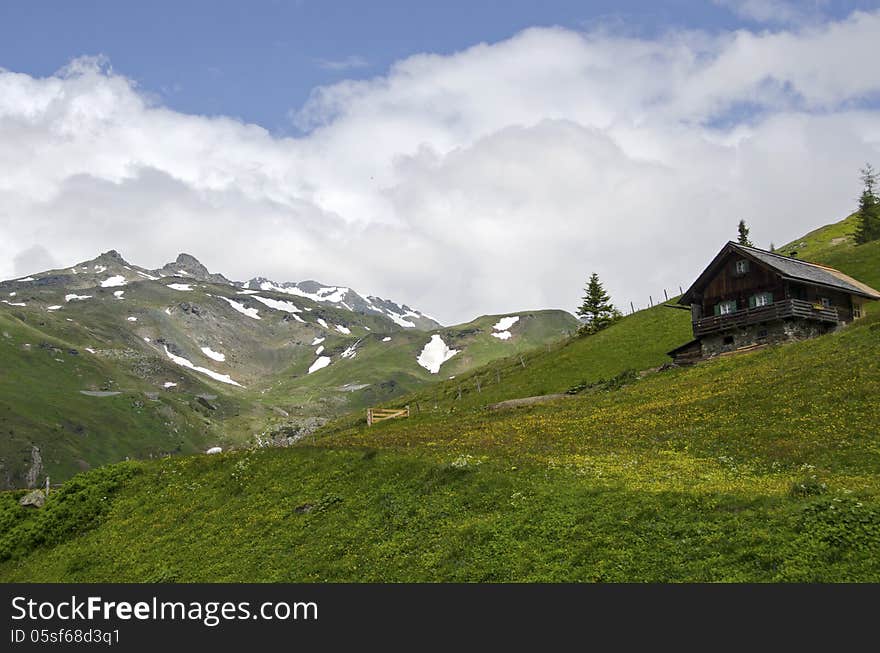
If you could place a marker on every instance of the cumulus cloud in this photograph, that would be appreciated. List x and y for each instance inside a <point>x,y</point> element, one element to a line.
<point>486,181</point>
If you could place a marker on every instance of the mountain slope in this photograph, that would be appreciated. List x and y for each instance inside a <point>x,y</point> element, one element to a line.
<point>265,361</point>
<point>751,468</point>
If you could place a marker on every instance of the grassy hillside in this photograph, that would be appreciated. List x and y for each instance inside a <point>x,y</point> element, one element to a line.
<point>817,244</point>
<point>758,467</point>
<point>42,403</point>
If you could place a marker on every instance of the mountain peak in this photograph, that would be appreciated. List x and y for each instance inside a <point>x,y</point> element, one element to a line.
<point>189,266</point>
<point>190,261</point>
<point>111,255</point>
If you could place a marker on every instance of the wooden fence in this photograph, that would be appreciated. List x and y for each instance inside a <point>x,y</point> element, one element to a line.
<point>381,414</point>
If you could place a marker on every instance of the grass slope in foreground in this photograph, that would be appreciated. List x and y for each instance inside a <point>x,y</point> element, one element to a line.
<point>761,467</point>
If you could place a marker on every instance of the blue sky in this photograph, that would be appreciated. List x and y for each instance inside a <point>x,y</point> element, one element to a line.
<point>257,61</point>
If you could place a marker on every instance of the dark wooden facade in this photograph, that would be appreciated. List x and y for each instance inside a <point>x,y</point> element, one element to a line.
<point>730,285</point>
<point>747,297</point>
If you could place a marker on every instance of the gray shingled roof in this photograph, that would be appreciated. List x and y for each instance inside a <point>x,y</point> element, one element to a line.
<point>811,272</point>
<point>789,268</point>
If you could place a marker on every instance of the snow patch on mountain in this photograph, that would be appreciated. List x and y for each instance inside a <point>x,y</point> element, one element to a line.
<point>351,352</point>
<point>214,355</point>
<point>343,329</point>
<point>329,294</point>
<point>73,297</point>
<point>320,364</point>
<point>502,327</point>
<point>505,323</point>
<point>434,354</point>
<point>114,281</point>
<point>241,308</point>
<point>397,318</point>
<point>183,362</point>
<point>183,287</point>
<point>277,304</point>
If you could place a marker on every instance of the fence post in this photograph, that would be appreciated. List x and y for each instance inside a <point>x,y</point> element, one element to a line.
<point>632,308</point>
<point>369,416</point>
<point>651,300</point>
<point>665,295</point>
<point>407,411</point>
<point>479,389</point>
<point>521,361</point>
<point>47,486</point>
<point>497,377</point>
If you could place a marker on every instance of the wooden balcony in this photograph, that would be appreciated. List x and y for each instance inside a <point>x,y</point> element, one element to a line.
<point>786,309</point>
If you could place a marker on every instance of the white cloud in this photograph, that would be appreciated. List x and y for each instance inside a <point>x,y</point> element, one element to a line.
<point>488,181</point>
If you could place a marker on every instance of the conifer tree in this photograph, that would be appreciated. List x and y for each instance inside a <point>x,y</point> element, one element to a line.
<point>597,310</point>
<point>868,214</point>
<point>743,238</point>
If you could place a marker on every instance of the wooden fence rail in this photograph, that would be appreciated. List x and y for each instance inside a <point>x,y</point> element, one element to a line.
<point>381,414</point>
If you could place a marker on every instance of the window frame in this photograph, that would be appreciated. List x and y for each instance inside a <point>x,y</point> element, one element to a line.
<point>763,299</point>
<point>741,263</point>
<point>730,304</point>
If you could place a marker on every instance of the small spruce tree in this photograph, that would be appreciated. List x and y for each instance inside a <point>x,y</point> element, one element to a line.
<point>743,238</point>
<point>868,214</point>
<point>597,310</point>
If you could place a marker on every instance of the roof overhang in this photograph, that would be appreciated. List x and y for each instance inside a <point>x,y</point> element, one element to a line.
<point>856,288</point>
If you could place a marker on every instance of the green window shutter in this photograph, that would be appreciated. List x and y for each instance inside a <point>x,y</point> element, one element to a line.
<point>753,301</point>
<point>717,309</point>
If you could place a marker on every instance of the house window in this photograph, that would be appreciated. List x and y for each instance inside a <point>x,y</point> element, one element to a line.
<point>857,311</point>
<point>726,307</point>
<point>826,303</point>
<point>742,267</point>
<point>761,299</point>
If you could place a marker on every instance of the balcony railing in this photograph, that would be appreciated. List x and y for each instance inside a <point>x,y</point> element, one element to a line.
<point>787,308</point>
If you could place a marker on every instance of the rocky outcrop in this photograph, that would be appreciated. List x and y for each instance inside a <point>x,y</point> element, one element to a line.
<point>36,469</point>
<point>35,499</point>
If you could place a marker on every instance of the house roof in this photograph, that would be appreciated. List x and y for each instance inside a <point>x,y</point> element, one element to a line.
<point>788,268</point>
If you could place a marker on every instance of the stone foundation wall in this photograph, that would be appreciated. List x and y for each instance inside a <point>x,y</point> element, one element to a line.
<point>760,334</point>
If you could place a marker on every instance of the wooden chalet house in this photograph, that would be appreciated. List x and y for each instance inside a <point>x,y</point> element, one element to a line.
<point>748,296</point>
